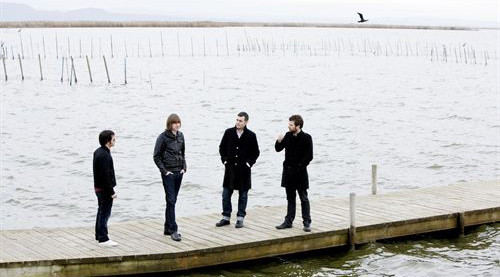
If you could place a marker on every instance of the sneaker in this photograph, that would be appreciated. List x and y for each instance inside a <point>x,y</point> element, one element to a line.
<point>239,224</point>
<point>108,243</point>
<point>222,222</point>
<point>307,228</point>
<point>284,225</point>
<point>175,236</point>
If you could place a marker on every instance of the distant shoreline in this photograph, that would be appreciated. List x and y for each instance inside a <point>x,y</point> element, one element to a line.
<point>211,24</point>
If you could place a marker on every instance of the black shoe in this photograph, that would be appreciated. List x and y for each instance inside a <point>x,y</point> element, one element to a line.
<point>307,228</point>
<point>167,233</point>
<point>176,236</point>
<point>222,222</point>
<point>239,224</point>
<point>284,225</point>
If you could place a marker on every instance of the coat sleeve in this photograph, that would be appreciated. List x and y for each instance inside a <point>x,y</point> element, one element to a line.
<point>110,175</point>
<point>184,165</point>
<point>278,146</point>
<point>222,147</point>
<point>158,152</point>
<point>255,152</point>
<point>308,152</point>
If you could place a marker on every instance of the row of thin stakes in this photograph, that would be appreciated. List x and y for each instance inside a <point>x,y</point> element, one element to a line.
<point>463,53</point>
<point>69,62</point>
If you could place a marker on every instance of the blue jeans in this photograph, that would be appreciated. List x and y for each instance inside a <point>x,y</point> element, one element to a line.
<point>171,185</point>
<point>226,202</point>
<point>105,202</point>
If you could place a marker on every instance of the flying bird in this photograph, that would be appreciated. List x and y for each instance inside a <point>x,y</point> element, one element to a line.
<point>362,18</point>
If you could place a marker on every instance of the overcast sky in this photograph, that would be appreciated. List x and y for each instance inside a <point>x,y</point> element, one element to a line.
<point>308,10</point>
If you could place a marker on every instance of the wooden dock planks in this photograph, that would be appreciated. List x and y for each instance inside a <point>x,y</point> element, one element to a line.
<point>143,247</point>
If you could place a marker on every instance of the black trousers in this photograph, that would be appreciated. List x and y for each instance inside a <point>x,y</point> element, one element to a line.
<point>291,195</point>
<point>105,202</point>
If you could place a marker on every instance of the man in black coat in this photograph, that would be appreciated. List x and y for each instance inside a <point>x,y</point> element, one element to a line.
<point>239,151</point>
<point>298,154</point>
<point>104,183</point>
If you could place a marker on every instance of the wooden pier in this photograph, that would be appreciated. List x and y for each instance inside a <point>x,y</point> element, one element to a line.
<point>144,249</point>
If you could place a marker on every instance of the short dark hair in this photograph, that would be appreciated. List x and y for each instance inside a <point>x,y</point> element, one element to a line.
<point>105,137</point>
<point>297,120</point>
<point>172,118</point>
<point>243,114</point>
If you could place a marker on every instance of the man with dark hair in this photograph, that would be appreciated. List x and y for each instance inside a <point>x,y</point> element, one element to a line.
<point>298,154</point>
<point>239,151</point>
<point>104,182</point>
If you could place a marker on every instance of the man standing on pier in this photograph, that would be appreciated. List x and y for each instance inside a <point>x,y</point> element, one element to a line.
<point>298,154</point>
<point>104,182</point>
<point>239,151</point>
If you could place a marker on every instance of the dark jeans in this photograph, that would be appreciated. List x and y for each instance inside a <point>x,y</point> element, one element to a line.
<point>226,202</point>
<point>171,185</point>
<point>105,203</point>
<point>304,203</point>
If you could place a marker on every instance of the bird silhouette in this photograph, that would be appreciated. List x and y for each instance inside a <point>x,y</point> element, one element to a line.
<point>362,18</point>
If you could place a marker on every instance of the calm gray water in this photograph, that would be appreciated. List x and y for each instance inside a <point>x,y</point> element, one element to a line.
<point>367,96</point>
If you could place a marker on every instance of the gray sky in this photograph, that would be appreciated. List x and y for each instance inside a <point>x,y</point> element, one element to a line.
<point>301,10</point>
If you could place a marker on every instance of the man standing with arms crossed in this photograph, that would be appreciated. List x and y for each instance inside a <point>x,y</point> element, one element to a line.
<point>239,151</point>
<point>298,154</point>
<point>104,182</point>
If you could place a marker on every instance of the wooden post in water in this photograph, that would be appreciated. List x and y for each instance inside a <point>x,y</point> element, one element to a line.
<point>161,40</point>
<point>57,48</point>
<point>227,46</point>
<point>150,53</point>
<point>125,70</point>
<point>21,66</point>
<point>126,51</point>
<point>40,64</point>
<point>73,70</point>
<point>178,45</point>
<point>352,217</point>
<point>21,42</point>
<point>80,48</point>
<point>111,42</point>
<point>192,49</point>
<point>204,49</point>
<point>4,68</point>
<point>460,224</point>
<point>62,70</point>
<point>106,66</point>
<point>88,66</point>
<point>43,43</point>
<point>374,179</point>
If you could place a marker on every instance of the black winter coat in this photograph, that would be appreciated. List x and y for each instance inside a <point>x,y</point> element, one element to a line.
<point>235,153</point>
<point>298,155</point>
<point>104,171</point>
<point>169,153</point>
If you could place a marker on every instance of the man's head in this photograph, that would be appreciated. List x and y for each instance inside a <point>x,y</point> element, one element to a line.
<point>107,138</point>
<point>241,120</point>
<point>295,123</point>
<point>173,122</point>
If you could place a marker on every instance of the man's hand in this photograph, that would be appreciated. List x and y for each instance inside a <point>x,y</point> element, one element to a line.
<point>280,138</point>
<point>183,171</point>
<point>114,196</point>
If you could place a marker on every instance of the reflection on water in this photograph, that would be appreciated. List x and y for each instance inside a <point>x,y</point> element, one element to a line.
<point>476,254</point>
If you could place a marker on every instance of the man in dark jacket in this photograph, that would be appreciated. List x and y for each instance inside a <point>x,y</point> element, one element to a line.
<point>104,182</point>
<point>298,154</point>
<point>239,151</point>
<point>169,157</point>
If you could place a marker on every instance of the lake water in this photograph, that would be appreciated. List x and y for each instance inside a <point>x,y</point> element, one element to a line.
<point>368,96</point>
